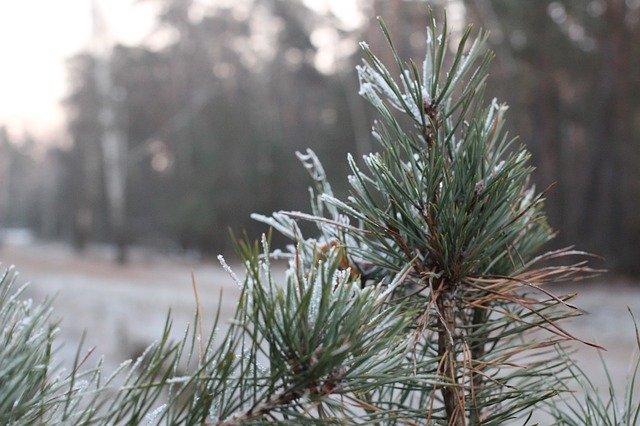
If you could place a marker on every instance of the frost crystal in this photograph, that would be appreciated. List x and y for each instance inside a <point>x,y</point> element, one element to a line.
<point>213,413</point>
<point>279,254</point>
<point>229,271</point>
<point>367,91</point>
<point>151,417</point>
<point>178,380</point>
<point>81,386</point>
<point>311,162</point>
<point>316,296</point>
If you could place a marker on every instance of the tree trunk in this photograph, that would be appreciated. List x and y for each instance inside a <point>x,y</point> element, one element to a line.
<point>452,395</point>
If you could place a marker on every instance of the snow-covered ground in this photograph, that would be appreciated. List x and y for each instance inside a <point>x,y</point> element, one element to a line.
<point>123,308</point>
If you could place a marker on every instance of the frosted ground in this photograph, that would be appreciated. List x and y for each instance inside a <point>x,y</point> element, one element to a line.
<point>123,309</point>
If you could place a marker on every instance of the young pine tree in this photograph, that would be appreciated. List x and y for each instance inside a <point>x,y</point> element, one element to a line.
<point>420,302</point>
<point>447,205</point>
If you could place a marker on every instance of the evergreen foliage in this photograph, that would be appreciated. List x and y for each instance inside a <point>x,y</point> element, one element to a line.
<point>448,204</point>
<point>420,302</point>
<point>589,407</point>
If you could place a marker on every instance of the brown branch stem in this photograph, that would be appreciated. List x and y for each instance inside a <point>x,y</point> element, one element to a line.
<point>452,394</point>
<point>263,408</point>
<point>478,351</point>
<point>327,387</point>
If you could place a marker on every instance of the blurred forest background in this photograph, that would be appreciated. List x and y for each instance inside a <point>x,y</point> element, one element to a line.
<point>170,144</point>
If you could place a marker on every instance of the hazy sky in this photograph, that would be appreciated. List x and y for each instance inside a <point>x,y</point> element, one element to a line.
<point>35,38</point>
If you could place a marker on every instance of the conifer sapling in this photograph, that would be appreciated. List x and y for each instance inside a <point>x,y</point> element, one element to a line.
<point>447,202</point>
<point>421,301</point>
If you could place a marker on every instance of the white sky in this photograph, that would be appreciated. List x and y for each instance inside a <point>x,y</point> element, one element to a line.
<point>35,38</point>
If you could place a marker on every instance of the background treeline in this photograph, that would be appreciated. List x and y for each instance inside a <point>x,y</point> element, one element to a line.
<point>212,118</point>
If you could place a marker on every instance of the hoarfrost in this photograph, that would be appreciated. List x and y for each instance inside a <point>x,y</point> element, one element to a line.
<point>427,65</point>
<point>213,413</point>
<point>280,222</point>
<point>178,380</point>
<point>367,91</point>
<point>384,86</point>
<point>342,275</point>
<point>229,271</point>
<point>413,107</point>
<point>81,386</point>
<point>279,254</point>
<point>376,135</point>
<point>311,162</point>
<point>152,416</point>
<point>528,196</point>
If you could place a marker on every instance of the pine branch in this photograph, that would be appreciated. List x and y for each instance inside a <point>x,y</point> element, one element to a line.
<point>421,299</point>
